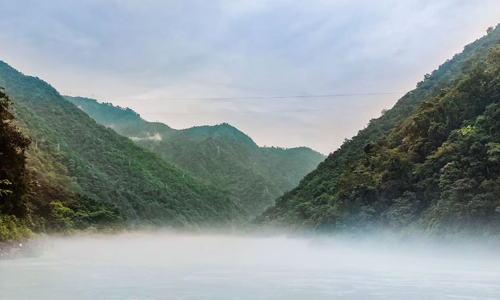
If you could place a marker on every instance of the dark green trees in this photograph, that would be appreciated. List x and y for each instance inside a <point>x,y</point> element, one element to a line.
<point>14,180</point>
<point>431,162</point>
<point>220,155</point>
<point>96,173</point>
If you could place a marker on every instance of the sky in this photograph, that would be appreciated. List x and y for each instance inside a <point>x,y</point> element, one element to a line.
<point>166,59</point>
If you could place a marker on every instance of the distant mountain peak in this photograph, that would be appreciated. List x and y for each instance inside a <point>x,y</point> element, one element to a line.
<point>219,154</point>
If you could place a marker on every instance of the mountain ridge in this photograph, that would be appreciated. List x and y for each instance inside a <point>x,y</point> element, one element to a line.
<point>74,152</point>
<point>348,190</point>
<point>220,154</point>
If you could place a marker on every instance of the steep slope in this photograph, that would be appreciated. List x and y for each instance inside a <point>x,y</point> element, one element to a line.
<point>29,202</point>
<point>14,178</point>
<point>372,177</point>
<point>220,155</point>
<point>72,151</point>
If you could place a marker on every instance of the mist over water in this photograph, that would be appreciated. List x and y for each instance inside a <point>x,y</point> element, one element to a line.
<point>183,266</point>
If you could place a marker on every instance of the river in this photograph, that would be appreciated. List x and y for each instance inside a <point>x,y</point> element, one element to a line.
<point>219,267</point>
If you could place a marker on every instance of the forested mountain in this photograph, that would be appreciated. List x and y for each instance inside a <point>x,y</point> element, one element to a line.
<point>77,164</point>
<point>31,201</point>
<point>431,162</point>
<point>220,155</point>
<point>14,179</point>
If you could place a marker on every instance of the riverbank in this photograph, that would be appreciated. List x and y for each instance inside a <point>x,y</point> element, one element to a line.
<point>23,248</point>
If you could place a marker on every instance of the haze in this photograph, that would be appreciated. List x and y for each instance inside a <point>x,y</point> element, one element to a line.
<point>179,266</point>
<point>135,50</point>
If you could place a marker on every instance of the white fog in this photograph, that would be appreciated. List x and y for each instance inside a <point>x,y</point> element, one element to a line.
<point>181,266</point>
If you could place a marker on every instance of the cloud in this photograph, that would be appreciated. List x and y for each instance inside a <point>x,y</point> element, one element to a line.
<point>189,49</point>
<point>154,137</point>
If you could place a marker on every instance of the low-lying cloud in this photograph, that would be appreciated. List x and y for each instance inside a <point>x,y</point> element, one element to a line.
<point>200,266</point>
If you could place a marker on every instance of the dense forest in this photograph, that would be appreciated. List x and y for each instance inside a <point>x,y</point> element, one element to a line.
<point>32,202</point>
<point>84,174</point>
<point>431,162</point>
<point>220,155</point>
<point>14,180</point>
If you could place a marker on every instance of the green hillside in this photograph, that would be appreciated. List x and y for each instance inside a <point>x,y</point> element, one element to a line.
<point>71,158</point>
<point>220,155</point>
<point>429,162</point>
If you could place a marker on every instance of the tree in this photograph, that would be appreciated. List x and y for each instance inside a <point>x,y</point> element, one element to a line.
<point>3,190</point>
<point>14,177</point>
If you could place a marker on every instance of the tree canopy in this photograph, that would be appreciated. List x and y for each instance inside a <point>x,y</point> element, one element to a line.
<point>428,163</point>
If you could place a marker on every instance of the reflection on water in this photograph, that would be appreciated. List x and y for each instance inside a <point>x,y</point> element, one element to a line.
<point>172,266</point>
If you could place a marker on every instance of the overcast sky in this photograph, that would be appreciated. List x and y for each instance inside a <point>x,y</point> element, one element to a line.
<point>133,52</point>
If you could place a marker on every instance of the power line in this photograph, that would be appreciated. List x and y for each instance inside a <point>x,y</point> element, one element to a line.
<point>259,97</point>
<point>263,112</point>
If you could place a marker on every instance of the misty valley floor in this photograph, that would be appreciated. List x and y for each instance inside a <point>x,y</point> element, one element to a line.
<point>174,266</point>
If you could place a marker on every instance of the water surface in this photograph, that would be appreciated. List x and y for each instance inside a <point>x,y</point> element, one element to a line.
<point>219,267</point>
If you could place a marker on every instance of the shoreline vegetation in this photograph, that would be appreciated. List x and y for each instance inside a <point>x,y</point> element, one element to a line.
<point>26,248</point>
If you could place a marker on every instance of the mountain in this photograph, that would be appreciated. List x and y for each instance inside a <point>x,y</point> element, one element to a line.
<point>220,155</point>
<point>77,163</point>
<point>431,162</point>
<point>14,179</point>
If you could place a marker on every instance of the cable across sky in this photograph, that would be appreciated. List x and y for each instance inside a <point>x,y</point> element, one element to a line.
<point>257,97</point>
<point>263,112</point>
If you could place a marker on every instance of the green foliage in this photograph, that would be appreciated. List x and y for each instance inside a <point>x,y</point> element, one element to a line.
<point>13,174</point>
<point>430,162</point>
<point>13,229</point>
<point>83,215</point>
<point>4,191</point>
<point>26,197</point>
<point>403,211</point>
<point>61,217</point>
<point>219,155</point>
<point>73,159</point>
